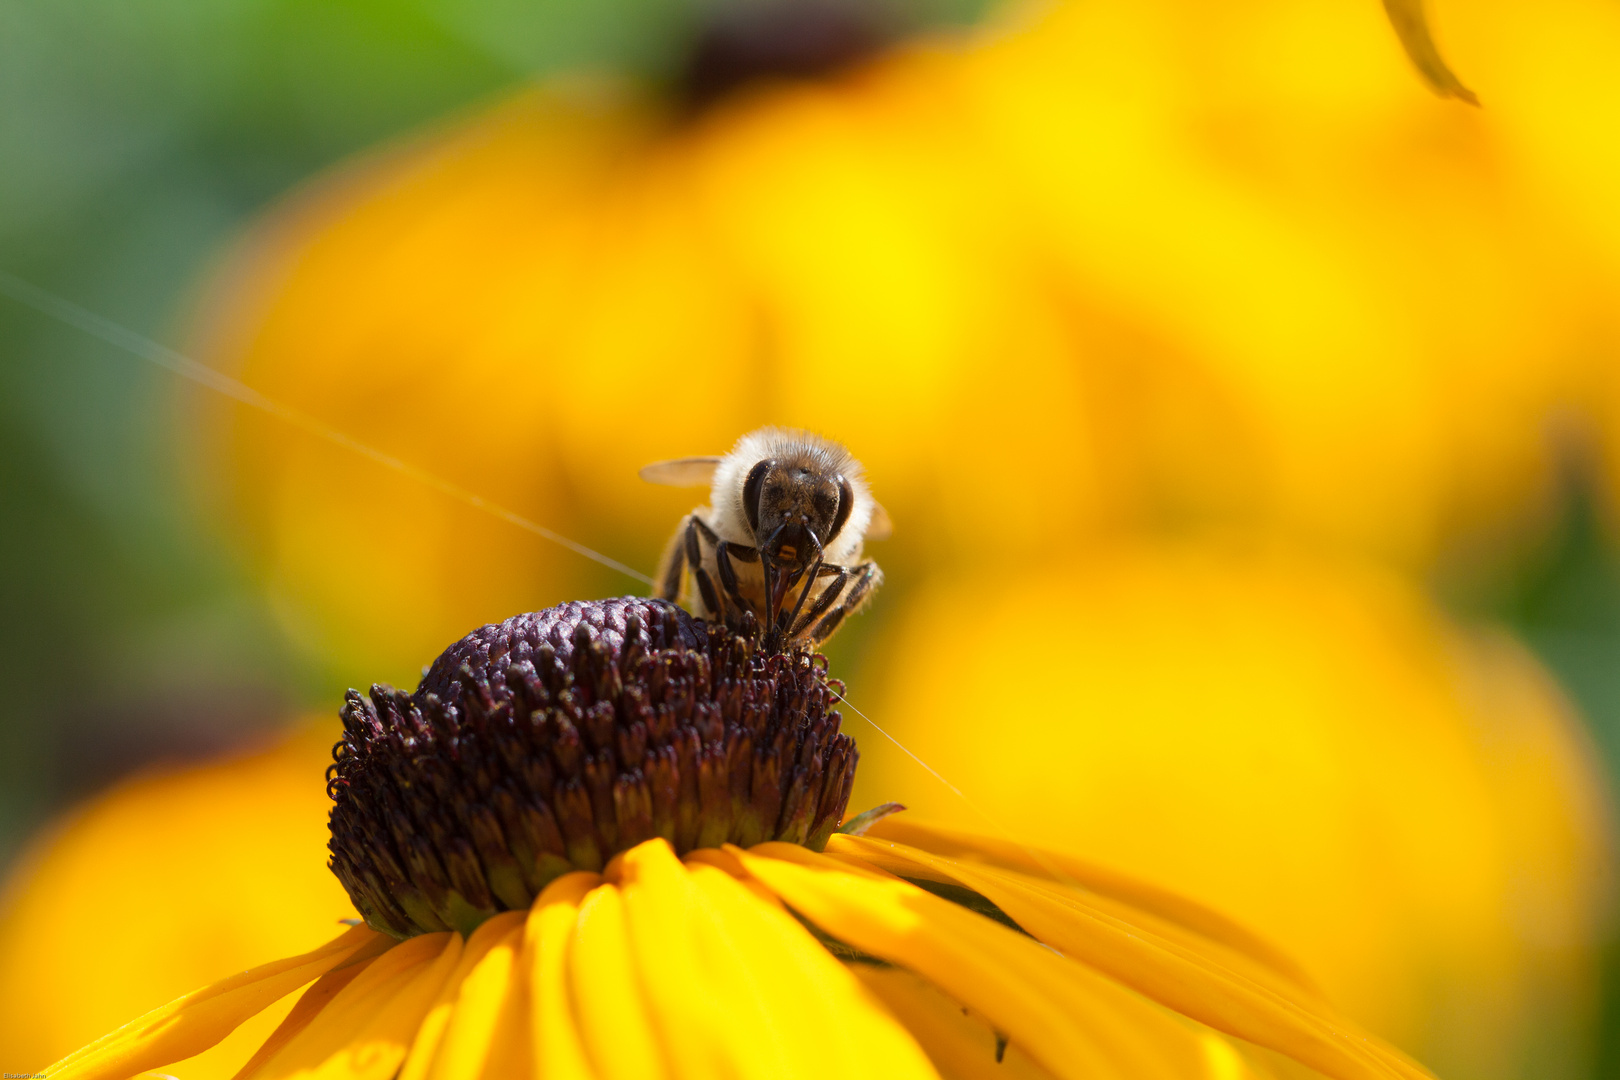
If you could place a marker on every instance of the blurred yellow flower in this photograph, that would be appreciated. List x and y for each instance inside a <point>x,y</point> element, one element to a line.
<point>1408,808</point>
<point>1546,72</point>
<point>607,302</point>
<point>157,887</point>
<point>1128,267</point>
<point>1330,301</point>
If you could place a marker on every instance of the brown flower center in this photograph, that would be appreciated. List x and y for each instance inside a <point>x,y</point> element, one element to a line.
<point>554,740</point>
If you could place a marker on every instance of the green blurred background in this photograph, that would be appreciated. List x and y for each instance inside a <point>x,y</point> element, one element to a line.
<point>136,138</point>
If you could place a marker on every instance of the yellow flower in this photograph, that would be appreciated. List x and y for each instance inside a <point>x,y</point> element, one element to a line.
<point>1326,301</point>
<point>1122,267</point>
<point>1543,71</point>
<point>745,268</point>
<point>1408,808</point>
<point>183,874</point>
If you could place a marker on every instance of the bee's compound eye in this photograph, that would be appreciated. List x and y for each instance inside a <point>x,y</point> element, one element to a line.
<point>751,492</point>
<point>846,503</point>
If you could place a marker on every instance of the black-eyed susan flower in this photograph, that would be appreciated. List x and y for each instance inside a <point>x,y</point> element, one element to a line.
<point>598,841</point>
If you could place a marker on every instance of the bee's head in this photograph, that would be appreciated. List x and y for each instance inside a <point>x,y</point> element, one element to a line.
<point>795,508</point>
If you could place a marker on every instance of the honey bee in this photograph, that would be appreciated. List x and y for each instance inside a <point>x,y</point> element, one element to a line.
<point>779,544</point>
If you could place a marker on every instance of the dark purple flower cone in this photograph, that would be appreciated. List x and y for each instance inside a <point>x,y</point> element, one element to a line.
<point>554,740</point>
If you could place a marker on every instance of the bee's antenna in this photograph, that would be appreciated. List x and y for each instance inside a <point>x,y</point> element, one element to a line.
<point>72,314</point>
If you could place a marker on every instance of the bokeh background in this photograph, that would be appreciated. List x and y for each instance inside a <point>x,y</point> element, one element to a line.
<point>1247,411</point>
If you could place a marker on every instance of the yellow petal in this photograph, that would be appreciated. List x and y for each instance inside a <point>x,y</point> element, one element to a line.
<point>311,1003</point>
<point>614,1026</point>
<point>191,1024</point>
<point>962,1045</point>
<point>687,1001</point>
<point>486,1001</point>
<point>1165,905</point>
<point>825,1018</point>
<point>366,1030</point>
<point>738,988</point>
<point>1066,1017</point>
<point>511,1036</point>
<point>431,1034</point>
<point>1169,972</point>
<point>919,864</point>
<point>558,1052</point>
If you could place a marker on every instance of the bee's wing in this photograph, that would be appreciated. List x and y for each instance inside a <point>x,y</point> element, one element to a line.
<point>880,527</point>
<point>681,472</point>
